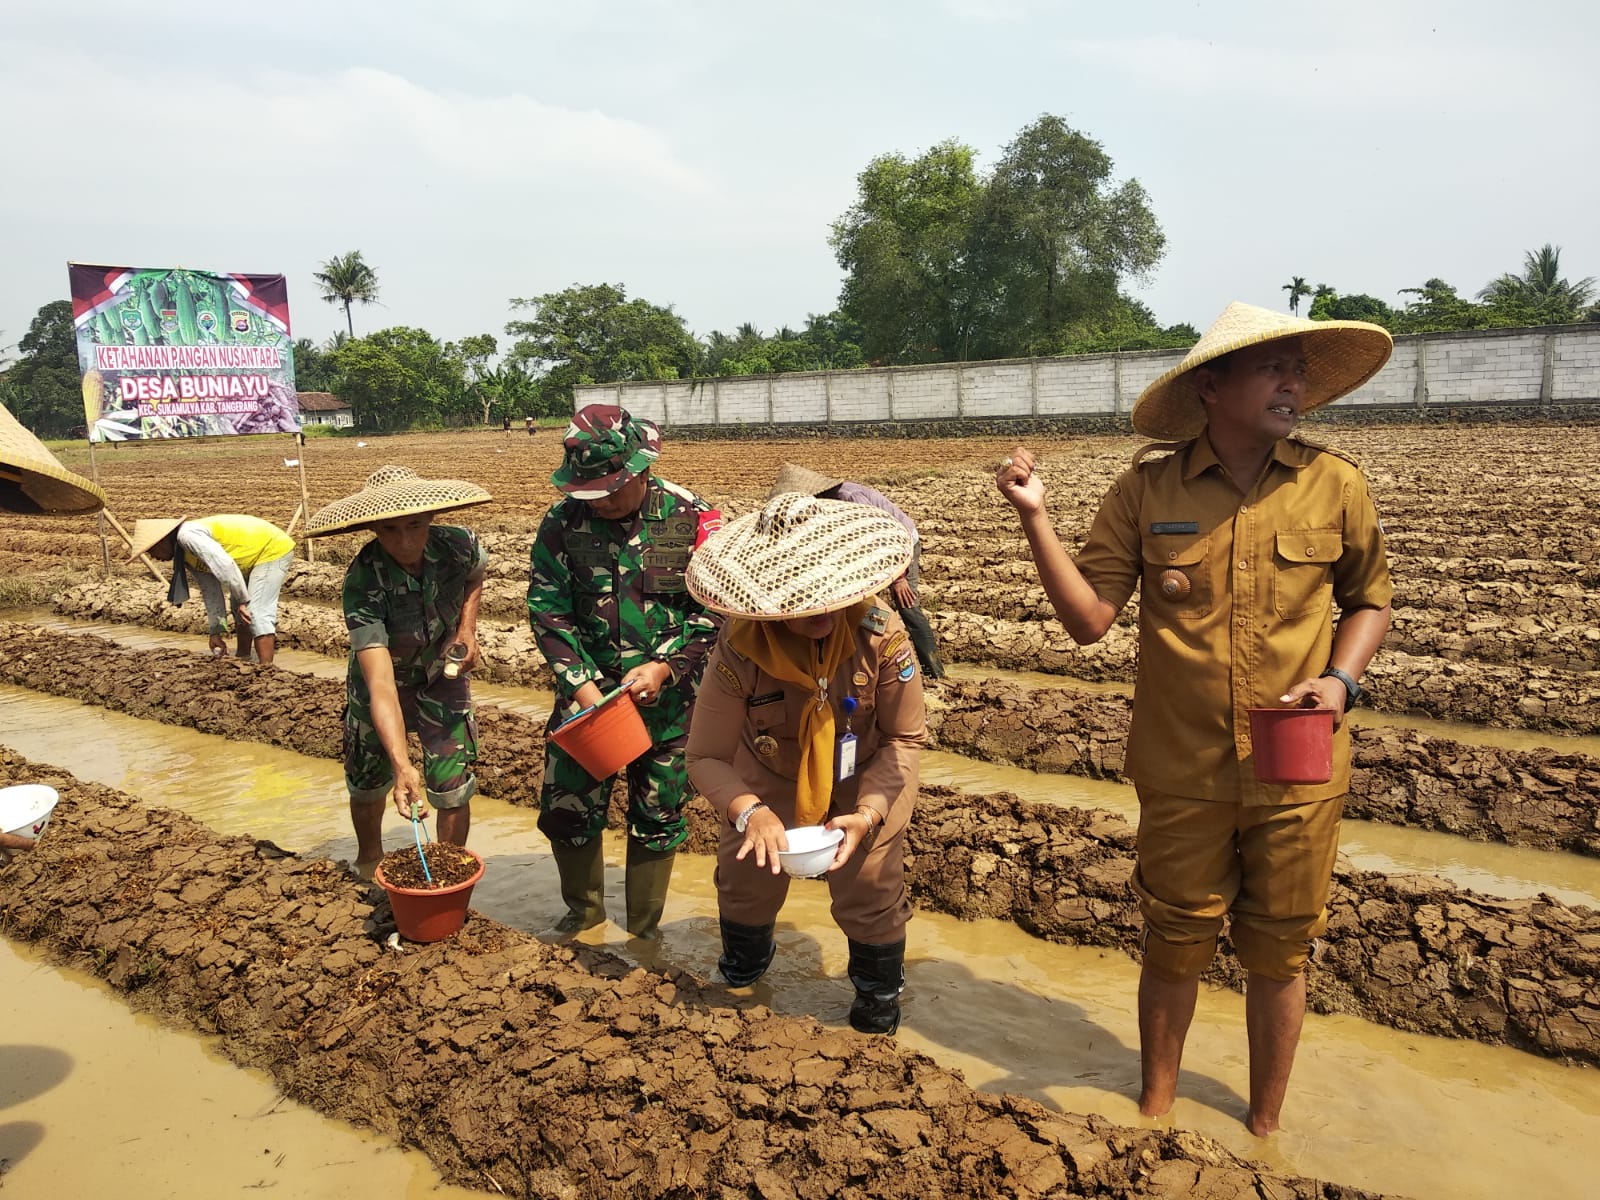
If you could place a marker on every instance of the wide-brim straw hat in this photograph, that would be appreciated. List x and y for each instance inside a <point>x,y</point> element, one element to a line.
<point>792,477</point>
<point>1340,357</point>
<point>798,557</point>
<point>148,532</point>
<point>25,462</point>
<point>392,492</point>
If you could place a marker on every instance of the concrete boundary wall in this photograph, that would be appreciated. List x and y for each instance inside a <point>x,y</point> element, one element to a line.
<point>1554,365</point>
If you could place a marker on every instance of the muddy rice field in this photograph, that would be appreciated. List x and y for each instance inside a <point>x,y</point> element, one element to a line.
<point>575,1070</point>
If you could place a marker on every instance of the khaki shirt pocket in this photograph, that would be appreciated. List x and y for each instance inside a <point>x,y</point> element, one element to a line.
<point>1178,575</point>
<point>1302,571</point>
<point>773,730</point>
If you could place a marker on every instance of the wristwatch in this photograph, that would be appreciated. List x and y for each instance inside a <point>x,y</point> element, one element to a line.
<point>1353,693</point>
<point>743,819</point>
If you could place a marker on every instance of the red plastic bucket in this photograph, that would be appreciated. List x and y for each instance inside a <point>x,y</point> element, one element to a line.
<point>430,914</point>
<point>606,740</point>
<point>1292,745</point>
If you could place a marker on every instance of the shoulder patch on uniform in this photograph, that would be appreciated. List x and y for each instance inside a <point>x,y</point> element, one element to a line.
<point>731,678</point>
<point>876,620</point>
<point>908,672</point>
<point>1165,449</point>
<point>896,640</point>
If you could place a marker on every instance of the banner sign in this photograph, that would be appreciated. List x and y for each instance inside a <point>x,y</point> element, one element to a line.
<point>180,353</point>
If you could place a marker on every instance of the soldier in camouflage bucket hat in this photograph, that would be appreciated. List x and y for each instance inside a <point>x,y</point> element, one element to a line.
<point>608,606</point>
<point>604,448</point>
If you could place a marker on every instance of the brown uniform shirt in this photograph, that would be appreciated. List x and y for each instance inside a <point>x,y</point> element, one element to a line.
<point>1235,604</point>
<point>745,733</point>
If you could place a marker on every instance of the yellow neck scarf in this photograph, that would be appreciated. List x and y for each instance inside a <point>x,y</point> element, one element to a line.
<point>812,665</point>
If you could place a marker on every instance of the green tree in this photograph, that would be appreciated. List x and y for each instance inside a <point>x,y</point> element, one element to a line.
<point>476,351</point>
<point>313,366</point>
<point>1055,238</point>
<point>941,264</point>
<point>1330,306</point>
<point>400,378</point>
<point>346,279</point>
<point>595,334</point>
<point>1297,287</point>
<point>904,246</point>
<point>1541,288</point>
<point>45,384</point>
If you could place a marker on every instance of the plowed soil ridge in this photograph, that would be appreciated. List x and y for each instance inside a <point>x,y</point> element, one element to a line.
<point>1480,693</point>
<point>539,1070</point>
<point>1514,971</point>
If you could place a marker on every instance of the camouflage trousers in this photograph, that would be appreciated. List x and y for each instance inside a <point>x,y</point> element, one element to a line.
<point>573,804</point>
<point>440,714</point>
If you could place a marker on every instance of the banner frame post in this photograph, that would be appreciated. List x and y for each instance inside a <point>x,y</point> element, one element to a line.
<point>305,495</point>
<point>100,517</point>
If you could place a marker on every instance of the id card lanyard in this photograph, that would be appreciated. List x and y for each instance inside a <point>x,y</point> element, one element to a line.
<point>844,751</point>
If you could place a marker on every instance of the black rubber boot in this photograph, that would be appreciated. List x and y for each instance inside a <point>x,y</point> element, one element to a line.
<point>583,884</point>
<point>747,952</point>
<point>649,876</point>
<point>879,976</point>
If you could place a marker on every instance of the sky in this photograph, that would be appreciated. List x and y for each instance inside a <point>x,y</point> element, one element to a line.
<point>697,153</point>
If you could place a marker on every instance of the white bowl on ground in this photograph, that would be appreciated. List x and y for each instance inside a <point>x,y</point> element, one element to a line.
<point>25,808</point>
<point>811,850</point>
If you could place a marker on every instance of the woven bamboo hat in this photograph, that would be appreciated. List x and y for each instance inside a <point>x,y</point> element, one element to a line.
<point>1340,357</point>
<point>148,533</point>
<point>394,492</point>
<point>31,480</point>
<point>792,477</point>
<point>797,557</point>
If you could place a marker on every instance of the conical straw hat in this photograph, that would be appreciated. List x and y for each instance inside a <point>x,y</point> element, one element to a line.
<point>30,476</point>
<point>792,477</point>
<point>798,557</point>
<point>1340,357</point>
<point>148,532</point>
<point>394,492</point>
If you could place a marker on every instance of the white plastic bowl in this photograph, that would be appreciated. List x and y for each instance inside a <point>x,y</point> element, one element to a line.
<point>811,850</point>
<point>25,808</point>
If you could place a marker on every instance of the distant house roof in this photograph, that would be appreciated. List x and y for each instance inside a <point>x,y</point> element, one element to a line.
<point>321,402</point>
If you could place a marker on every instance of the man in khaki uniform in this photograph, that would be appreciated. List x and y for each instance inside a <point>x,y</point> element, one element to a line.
<point>1241,540</point>
<point>810,713</point>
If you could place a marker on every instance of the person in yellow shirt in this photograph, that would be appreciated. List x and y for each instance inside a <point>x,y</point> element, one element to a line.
<point>243,557</point>
<point>1241,539</point>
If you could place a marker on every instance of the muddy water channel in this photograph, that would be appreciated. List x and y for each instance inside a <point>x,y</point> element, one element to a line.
<point>1372,1107</point>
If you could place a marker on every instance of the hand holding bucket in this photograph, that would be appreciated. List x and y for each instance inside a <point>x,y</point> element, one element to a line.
<point>606,736</point>
<point>1292,745</point>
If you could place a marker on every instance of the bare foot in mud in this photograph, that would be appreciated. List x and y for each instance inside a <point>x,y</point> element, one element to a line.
<point>365,867</point>
<point>1262,1127</point>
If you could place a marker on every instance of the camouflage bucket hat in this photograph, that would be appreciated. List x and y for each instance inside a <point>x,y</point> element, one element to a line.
<point>604,448</point>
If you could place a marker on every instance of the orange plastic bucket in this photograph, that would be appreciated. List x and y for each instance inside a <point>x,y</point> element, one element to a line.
<point>1292,745</point>
<point>430,914</point>
<point>604,741</point>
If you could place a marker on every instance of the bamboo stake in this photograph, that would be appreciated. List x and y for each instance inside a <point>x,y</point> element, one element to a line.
<point>294,521</point>
<point>305,496</point>
<point>100,518</point>
<point>128,538</point>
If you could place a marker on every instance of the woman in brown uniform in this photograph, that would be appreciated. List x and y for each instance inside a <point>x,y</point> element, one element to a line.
<point>810,713</point>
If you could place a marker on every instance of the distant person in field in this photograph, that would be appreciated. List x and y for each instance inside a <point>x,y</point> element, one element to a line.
<point>528,422</point>
<point>901,592</point>
<point>1242,538</point>
<point>410,594</point>
<point>608,606</point>
<point>243,557</point>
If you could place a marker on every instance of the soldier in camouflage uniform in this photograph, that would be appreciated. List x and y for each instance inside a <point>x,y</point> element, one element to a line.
<point>410,594</point>
<point>607,602</point>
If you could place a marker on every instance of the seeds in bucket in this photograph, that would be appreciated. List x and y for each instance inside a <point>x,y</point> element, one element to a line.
<point>448,864</point>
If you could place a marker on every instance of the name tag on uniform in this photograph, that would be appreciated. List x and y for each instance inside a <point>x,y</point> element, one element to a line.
<point>844,758</point>
<point>1174,526</point>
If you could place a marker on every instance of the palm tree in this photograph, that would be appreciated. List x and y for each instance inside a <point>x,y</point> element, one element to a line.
<point>1540,283</point>
<point>1296,287</point>
<point>345,279</point>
